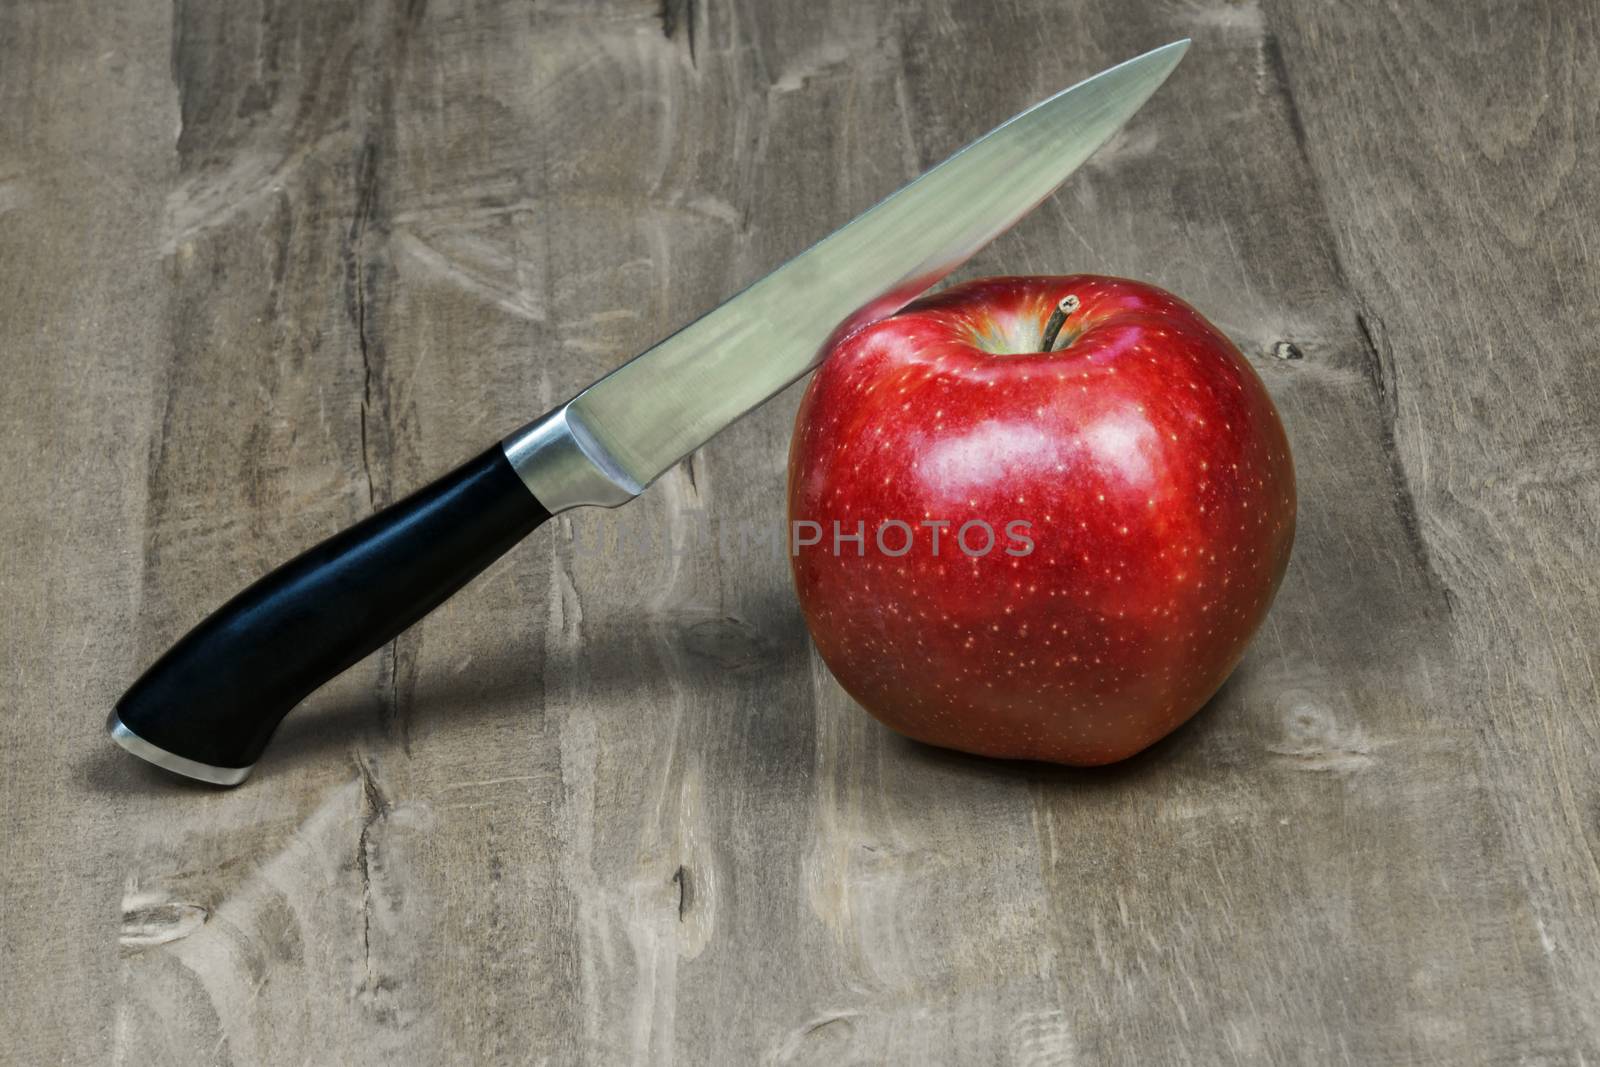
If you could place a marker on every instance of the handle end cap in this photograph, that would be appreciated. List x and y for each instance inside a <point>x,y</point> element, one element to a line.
<point>201,772</point>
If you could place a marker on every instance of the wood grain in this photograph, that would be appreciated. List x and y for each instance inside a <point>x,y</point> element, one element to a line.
<point>265,266</point>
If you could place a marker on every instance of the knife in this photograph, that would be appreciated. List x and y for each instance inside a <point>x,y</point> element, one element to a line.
<point>208,707</point>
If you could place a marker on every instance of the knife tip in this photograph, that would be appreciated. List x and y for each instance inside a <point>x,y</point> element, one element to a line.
<point>1168,55</point>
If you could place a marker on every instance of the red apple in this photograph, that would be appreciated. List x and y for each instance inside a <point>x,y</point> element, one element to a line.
<point>1138,490</point>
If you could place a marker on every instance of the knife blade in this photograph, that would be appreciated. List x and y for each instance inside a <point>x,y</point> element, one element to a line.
<point>645,416</point>
<point>208,707</point>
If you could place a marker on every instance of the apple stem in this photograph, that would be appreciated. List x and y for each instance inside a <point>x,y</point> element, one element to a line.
<point>1058,317</point>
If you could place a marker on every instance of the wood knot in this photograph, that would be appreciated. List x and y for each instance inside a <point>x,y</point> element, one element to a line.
<point>729,642</point>
<point>146,925</point>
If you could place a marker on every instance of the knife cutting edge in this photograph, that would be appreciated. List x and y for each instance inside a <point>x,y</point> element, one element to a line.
<point>210,704</point>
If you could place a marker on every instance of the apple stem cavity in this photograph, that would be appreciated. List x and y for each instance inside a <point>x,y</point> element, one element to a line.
<point>1058,318</point>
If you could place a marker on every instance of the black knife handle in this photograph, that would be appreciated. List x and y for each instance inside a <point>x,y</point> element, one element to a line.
<point>208,706</point>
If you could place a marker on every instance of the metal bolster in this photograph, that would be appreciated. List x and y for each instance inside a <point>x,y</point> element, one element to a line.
<point>564,466</point>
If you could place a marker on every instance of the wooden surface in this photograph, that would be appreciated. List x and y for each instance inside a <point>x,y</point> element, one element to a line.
<point>266,265</point>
